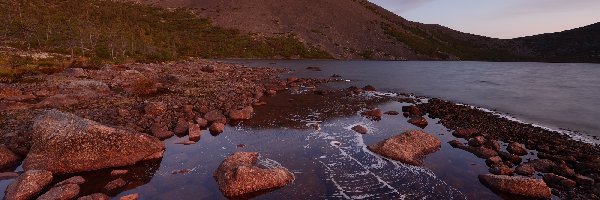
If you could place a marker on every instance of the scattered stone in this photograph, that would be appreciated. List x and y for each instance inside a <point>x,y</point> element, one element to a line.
<point>525,170</point>
<point>217,128</point>
<point>314,68</point>
<point>464,133</point>
<point>559,181</point>
<point>510,157</point>
<point>241,145</point>
<point>201,122</point>
<point>115,184</point>
<point>392,113</point>
<point>155,108</point>
<point>493,144</point>
<point>95,196</point>
<point>119,172</point>
<point>74,72</point>
<point>517,149</point>
<point>130,197</point>
<point>456,144</point>
<point>360,129</point>
<point>208,69</point>
<point>495,161</point>
<point>523,186</point>
<point>418,121</point>
<point>409,147</point>
<point>28,185</point>
<point>584,180</point>
<point>243,114</point>
<point>502,170</point>
<point>564,170</point>
<point>477,141</point>
<point>412,110</point>
<point>369,88</point>
<point>181,128</point>
<point>215,116</point>
<point>67,191</point>
<point>8,158</point>
<point>77,180</point>
<point>238,175</point>
<point>481,152</point>
<point>64,143</point>
<point>194,132</point>
<point>374,114</point>
<point>160,132</point>
<point>542,165</point>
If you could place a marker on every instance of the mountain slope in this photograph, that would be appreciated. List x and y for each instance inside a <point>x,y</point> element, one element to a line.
<point>347,29</point>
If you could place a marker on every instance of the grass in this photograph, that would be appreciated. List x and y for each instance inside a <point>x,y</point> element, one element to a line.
<point>115,31</point>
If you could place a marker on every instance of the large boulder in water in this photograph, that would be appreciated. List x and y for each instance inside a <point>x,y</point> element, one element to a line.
<point>522,186</point>
<point>238,176</point>
<point>64,143</point>
<point>408,147</point>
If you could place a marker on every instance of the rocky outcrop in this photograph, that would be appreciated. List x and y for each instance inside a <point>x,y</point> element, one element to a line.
<point>238,175</point>
<point>523,186</point>
<point>408,147</point>
<point>28,185</point>
<point>64,143</point>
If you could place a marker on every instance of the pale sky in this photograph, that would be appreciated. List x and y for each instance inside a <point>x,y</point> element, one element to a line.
<point>499,18</point>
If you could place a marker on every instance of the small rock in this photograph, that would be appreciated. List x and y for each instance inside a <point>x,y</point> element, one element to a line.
<point>243,114</point>
<point>369,88</point>
<point>495,161</point>
<point>130,197</point>
<point>115,184</point>
<point>510,157</point>
<point>392,113</point>
<point>523,186</point>
<point>215,116</point>
<point>477,141</point>
<point>502,170</point>
<point>559,181</point>
<point>584,180</point>
<point>464,133</point>
<point>238,175</point>
<point>181,128</point>
<point>201,122</point>
<point>409,147</point>
<point>194,132</point>
<point>271,92</point>
<point>564,170</point>
<point>418,121</point>
<point>456,144</point>
<point>481,152</point>
<point>28,185</point>
<point>74,72</point>
<point>208,69</point>
<point>155,108</point>
<point>517,149</point>
<point>160,132</point>
<point>119,172</point>
<point>8,158</point>
<point>374,114</point>
<point>542,165</point>
<point>77,180</point>
<point>187,142</point>
<point>360,129</point>
<point>525,170</point>
<point>412,110</point>
<point>95,196</point>
<point>217,128</point>
<point>492,144</point>
<point>67,191</point>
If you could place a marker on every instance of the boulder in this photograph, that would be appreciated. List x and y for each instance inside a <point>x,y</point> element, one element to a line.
<point>201,122</point>
<point>95,196</point>
<point>374,114</point>
<point>464,133</point>
<point>28,185</point>
<point>77,180</point>
<point>502,170</point>
<point>64,143</point>
<point>584,180</point>
<point>181,128</point>
<point>217,128</point>
<point>238,175</point>
<point>418,121</point>
<point>525,170</point>
<point>118,172</point>
<point>523,186</point>
<point>8,158</point>
<point>194,132</point>
<point>564,170</point>
<point>481,152</point>
<point>510,157</point>
<point>62,192</point>
<point>409,147</point>
<point>542,165</point>
<point>360,129</point>
<point>160,132</point>
<point>115,184</point>
<point>559,181</point>
<point>412,110</point>
<point>215,116</point>
<point>517,149</point>
<point>208,68</point>
<point>242,114</point>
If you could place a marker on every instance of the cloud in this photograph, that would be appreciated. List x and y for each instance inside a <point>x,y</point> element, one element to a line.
<point>400,6</point>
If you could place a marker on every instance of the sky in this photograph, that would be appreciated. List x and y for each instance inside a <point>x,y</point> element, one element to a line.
<point>499,18</point>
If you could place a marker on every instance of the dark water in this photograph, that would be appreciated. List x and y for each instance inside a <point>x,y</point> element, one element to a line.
<point>558,96</point>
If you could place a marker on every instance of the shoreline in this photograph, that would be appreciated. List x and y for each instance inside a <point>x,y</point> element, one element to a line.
<point>153,99</point>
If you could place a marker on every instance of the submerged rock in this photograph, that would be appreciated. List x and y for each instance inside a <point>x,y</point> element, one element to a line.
<point>238,176</point>
<point>115,184</point>
<point>412,110</point>
<point>95,196</point>
<point>64,143</point>
<point>134,196</point>
<point>28,185</point>
<point>65,191</point>
<point>464,133</point>
<point>523,186</point>
<point>392,113</point>
<point>360,129</point>
<point>418,121</point>
<point>408,147</point>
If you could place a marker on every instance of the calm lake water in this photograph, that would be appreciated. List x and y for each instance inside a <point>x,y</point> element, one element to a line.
<point>554,95</point>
